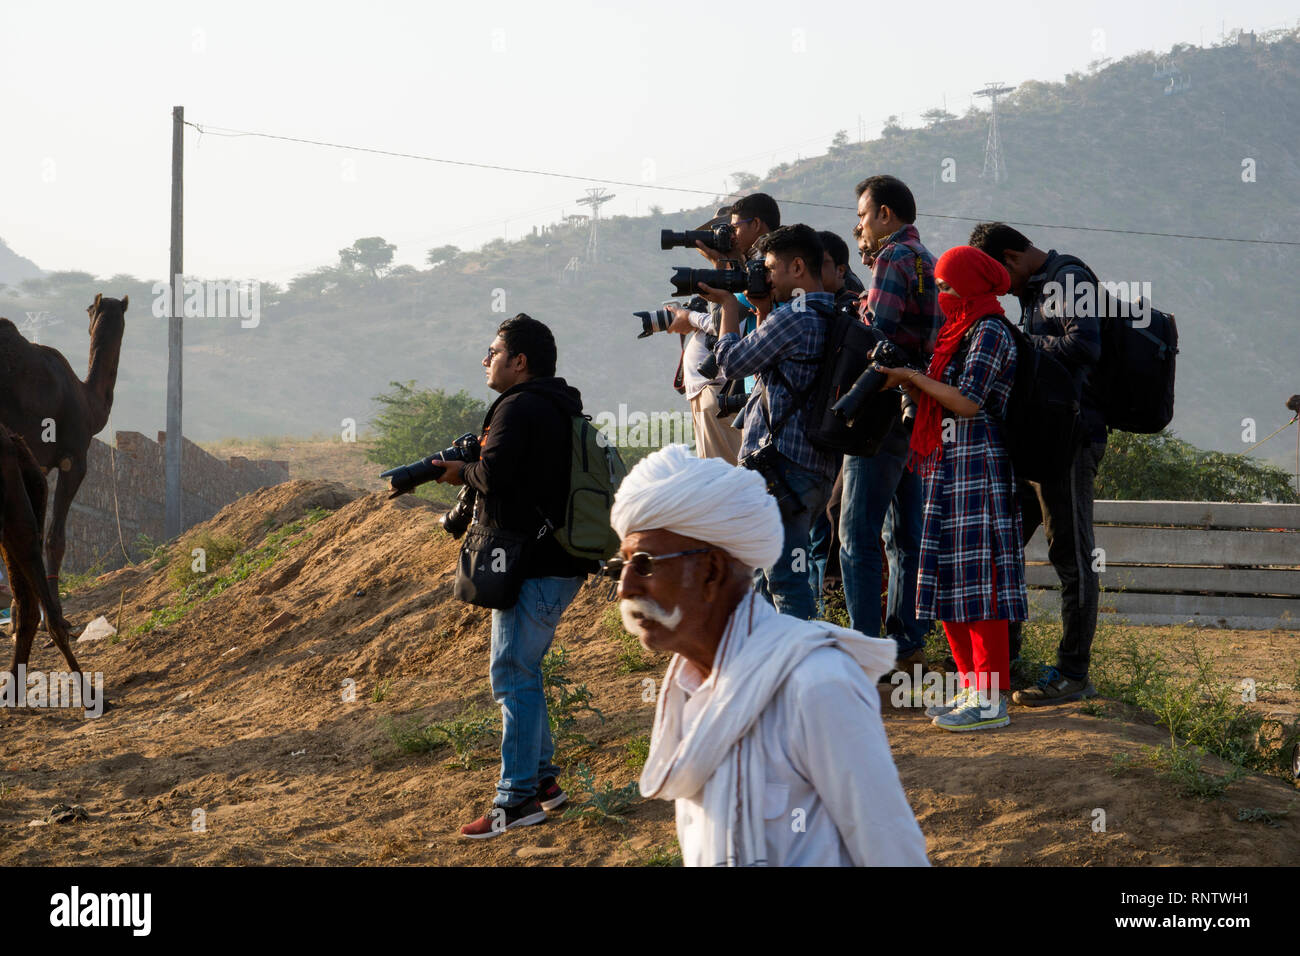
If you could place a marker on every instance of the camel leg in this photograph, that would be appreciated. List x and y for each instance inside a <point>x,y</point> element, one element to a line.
<point>26,617</point>
<point>56,542</point>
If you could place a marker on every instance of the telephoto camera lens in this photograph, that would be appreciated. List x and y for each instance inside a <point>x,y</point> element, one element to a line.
<point>652,322</point>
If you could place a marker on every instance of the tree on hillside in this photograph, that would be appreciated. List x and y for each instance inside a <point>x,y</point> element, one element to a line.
<point>744,181</point>
<point>936,116</point>
<point>892,127</point>
<point>318,282</point>
<point>440,255</point>
<point>840,140</point>
<point>68,283</point>
<point>1162,467</point>
<point>371,255</point>
<point>413,423</point>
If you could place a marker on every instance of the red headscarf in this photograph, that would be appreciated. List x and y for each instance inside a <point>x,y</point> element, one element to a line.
<point>977,279</point>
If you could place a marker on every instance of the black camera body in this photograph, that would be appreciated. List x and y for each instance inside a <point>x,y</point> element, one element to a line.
<point>769,463</point>
<point>720,238</point>
<point>872,381</point>
<point>409,477</point>
<point>749,277</point>
<point>457,520</point>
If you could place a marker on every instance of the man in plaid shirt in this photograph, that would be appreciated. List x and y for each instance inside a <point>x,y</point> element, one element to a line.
<point>880,494</point>
<point>784,353</point>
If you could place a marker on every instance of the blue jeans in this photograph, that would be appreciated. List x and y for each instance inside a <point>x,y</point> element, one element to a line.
<point>787,582</point>
<point>521,635</point>
<point>819,543</point>
<point>882,496</point>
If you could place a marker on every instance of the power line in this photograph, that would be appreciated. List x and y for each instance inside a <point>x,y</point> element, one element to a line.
<point>222,131</point>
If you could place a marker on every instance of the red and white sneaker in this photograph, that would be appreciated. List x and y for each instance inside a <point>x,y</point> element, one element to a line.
<point>549,794</point>
<point>500,819</point>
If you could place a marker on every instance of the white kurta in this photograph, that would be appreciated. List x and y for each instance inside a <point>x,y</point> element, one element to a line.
<point>832,796</point>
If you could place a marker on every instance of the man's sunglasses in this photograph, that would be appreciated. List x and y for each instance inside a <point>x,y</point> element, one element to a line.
<point>643,563</point>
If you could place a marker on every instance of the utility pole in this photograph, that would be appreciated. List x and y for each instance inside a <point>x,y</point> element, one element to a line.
<point>595,199</point>
<point>995,166</point>
<point>172,520</point>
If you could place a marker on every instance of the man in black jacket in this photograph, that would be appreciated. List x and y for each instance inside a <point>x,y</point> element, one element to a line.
<point>522,480</point>
<point>1067,327</point>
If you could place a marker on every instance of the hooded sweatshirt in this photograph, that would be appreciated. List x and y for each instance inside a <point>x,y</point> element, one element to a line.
<point>523,471</point>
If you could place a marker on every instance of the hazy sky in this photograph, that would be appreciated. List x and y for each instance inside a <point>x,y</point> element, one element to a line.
<point>622,91</point>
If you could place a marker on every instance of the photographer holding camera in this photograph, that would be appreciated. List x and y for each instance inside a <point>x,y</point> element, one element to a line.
<point>784,352</point>
<point>750,218</point>
<point>880,496</point>
<point>520,477</point>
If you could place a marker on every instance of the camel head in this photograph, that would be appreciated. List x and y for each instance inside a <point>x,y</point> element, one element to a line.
<point>107,315</point>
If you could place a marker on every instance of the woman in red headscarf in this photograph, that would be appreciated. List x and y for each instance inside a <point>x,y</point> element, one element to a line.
<point>972,572</point>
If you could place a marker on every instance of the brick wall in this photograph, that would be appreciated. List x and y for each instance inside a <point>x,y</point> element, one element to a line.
<point>208,484</point>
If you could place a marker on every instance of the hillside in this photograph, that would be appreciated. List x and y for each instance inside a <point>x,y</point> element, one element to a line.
<point>234,706</point>
<point>14,268</point>
<point>1108,150</point>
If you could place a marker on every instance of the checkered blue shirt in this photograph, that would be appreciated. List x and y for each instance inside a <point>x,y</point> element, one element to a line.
<point>790,341</point>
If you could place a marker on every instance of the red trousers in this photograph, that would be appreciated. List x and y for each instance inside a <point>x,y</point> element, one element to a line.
<point>981,648</point>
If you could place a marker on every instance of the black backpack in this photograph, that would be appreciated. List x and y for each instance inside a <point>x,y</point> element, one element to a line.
<point>1134,381</point>
<point>844,358</point>
<point>1042,430</point>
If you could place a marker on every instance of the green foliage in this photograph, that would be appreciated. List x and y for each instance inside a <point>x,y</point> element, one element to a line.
<point>1203,711</point>
<point>606,804</point>
<point>1162,467</point>
<point>380,691</point>
<point>70,581</point>
<point>414,423</point>
<point>1182,766</point>
<point>218,550</point>
<point>465,734</point>
<point>638,751</point>
<point>565,701</point>
<point>836,611</point>
<point>662,856</point>
<point>441,255</point>
<point>202,587</point>
<point>370,255</point>
<point>157,554</point>
<point>1260,815</point>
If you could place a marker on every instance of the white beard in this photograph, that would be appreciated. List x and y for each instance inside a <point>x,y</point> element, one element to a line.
<point>635,610</point>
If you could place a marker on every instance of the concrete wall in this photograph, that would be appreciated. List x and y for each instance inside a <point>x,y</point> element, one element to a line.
<point>208,484</point>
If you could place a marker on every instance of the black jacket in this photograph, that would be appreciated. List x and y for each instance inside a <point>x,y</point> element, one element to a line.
<point>523,472</point>
<point>1073,337</point>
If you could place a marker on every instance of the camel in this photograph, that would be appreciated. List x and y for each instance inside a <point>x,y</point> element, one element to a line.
<point>56,413</point>
<point>22,516</point>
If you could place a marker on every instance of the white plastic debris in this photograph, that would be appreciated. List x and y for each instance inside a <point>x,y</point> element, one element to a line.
<point>97,629</point>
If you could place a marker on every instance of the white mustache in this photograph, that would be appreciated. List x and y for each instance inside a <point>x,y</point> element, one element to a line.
<point>636,609</point>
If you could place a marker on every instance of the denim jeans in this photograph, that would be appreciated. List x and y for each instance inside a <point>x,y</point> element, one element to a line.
<point>882,497</point>
<point>521,635</point>
<point>820,539</point>
<point>787,582</point>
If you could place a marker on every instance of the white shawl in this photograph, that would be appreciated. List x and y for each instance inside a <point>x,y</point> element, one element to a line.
<point>720,756</point>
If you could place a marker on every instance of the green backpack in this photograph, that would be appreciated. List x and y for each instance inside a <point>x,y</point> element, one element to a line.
<point>594,475</point>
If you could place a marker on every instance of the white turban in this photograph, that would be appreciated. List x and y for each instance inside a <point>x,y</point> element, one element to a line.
<point>702,498</point>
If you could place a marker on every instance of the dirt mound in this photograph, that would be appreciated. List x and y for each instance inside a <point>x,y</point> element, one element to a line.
<point>250,709</point>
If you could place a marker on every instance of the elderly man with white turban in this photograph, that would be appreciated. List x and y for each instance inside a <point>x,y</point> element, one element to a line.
<point>767,729</point>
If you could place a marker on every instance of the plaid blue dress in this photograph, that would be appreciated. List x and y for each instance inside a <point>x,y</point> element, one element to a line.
<point>971,522</point>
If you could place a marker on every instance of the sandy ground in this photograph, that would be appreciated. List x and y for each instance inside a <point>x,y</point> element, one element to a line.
<point>237,711</point>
